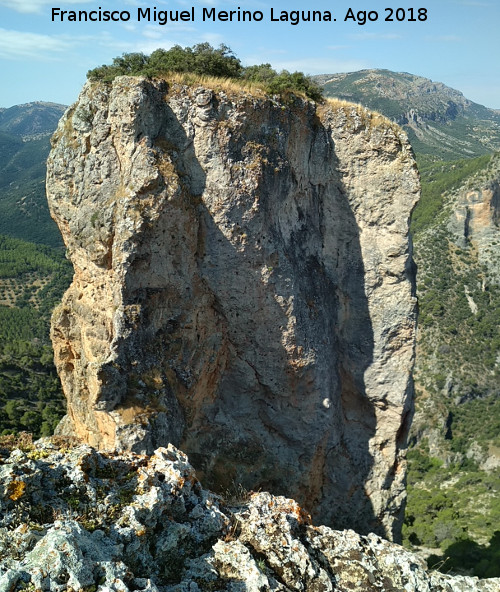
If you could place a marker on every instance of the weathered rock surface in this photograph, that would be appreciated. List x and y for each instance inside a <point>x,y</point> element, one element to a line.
<point>79,520</point>
<point>243,289</point>
<point>474,218</point>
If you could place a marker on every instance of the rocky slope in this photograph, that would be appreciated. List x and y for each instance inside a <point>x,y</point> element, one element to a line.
<point>456,454</point>
<point>459,294</point>
<point>474,219</point>
<point>455,445</point>
<point>77,519</point>
<point>243,289</point>
<point>439,120</point>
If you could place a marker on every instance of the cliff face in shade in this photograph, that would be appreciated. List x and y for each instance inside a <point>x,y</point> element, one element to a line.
<point>243,289</point>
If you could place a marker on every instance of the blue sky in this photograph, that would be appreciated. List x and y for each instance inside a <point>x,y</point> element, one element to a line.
<point>458,44</point>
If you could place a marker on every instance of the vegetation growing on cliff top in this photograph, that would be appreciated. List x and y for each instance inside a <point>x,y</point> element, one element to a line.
<point>204,60</point>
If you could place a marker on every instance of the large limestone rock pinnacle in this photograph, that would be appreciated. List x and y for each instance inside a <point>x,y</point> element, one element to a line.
<point>243,289</point>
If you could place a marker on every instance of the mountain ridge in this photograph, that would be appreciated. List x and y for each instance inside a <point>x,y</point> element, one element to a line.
<point>31,120</point>
<point>439,120</point>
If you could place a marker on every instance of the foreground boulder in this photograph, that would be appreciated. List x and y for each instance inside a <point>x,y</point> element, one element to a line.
<point>243,289</point>
<point>77,519</point>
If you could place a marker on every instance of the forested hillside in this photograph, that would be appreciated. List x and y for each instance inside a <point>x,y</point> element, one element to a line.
<point>32,280</point>
<point>455,449</point>
<point>24,146</point>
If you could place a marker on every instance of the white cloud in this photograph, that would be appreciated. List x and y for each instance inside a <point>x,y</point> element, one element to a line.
<point>383,36</point>
<point>446,38</point>
<point>20,44</point>
<point>214,39</point>
<point>320,65</point>
<point>27,6</point>
<point>148,46</point>
<point>152,33</point>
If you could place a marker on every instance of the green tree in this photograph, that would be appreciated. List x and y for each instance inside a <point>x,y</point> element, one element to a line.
<point>204,60</point>
<point>285,82</point>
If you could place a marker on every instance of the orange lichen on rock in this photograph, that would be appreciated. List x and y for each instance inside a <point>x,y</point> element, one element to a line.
<point>16,489</point>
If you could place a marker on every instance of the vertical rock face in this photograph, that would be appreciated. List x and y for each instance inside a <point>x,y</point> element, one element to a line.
<point>243,289</point>
<point>474,219</point>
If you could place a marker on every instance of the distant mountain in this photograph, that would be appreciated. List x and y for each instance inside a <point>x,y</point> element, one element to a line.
<point>439,120</point>
<point>24,146</point>
<point>31,119</point>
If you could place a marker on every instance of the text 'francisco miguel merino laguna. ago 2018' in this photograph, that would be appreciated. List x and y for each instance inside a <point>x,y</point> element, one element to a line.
<point>292,17</point>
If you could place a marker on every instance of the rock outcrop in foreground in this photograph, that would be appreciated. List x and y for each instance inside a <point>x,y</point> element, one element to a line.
<point>243,289</point>
<point>77,519</point>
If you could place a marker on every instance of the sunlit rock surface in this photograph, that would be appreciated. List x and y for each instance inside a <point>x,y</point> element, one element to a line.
<point>78,519</point>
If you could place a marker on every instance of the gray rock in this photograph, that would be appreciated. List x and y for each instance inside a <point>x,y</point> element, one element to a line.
<point>158,530</point>
<point>243,289</point>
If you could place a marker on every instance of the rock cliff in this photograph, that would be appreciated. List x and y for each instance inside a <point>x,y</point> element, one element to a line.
<point>474,217</point>
<point>243,289</point>
<point>77,519</point>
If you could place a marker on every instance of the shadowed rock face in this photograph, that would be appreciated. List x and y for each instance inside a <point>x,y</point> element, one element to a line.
<point>243,289</point>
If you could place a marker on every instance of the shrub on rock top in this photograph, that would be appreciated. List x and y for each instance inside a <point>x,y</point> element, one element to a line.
<point>204,60</point>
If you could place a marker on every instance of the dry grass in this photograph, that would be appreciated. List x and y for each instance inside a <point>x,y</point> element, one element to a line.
<point>371,119</point>
<point>24,441</point>
<point>229,85</point>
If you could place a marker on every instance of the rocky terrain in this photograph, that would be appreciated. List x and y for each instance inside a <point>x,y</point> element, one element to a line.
<point>455,434</point>
<point>439,120</point>
<point>243,289</point>
<point>455,446</point>
<point>474,217</point>
<point>76,519</point>
<point>454,452</point>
